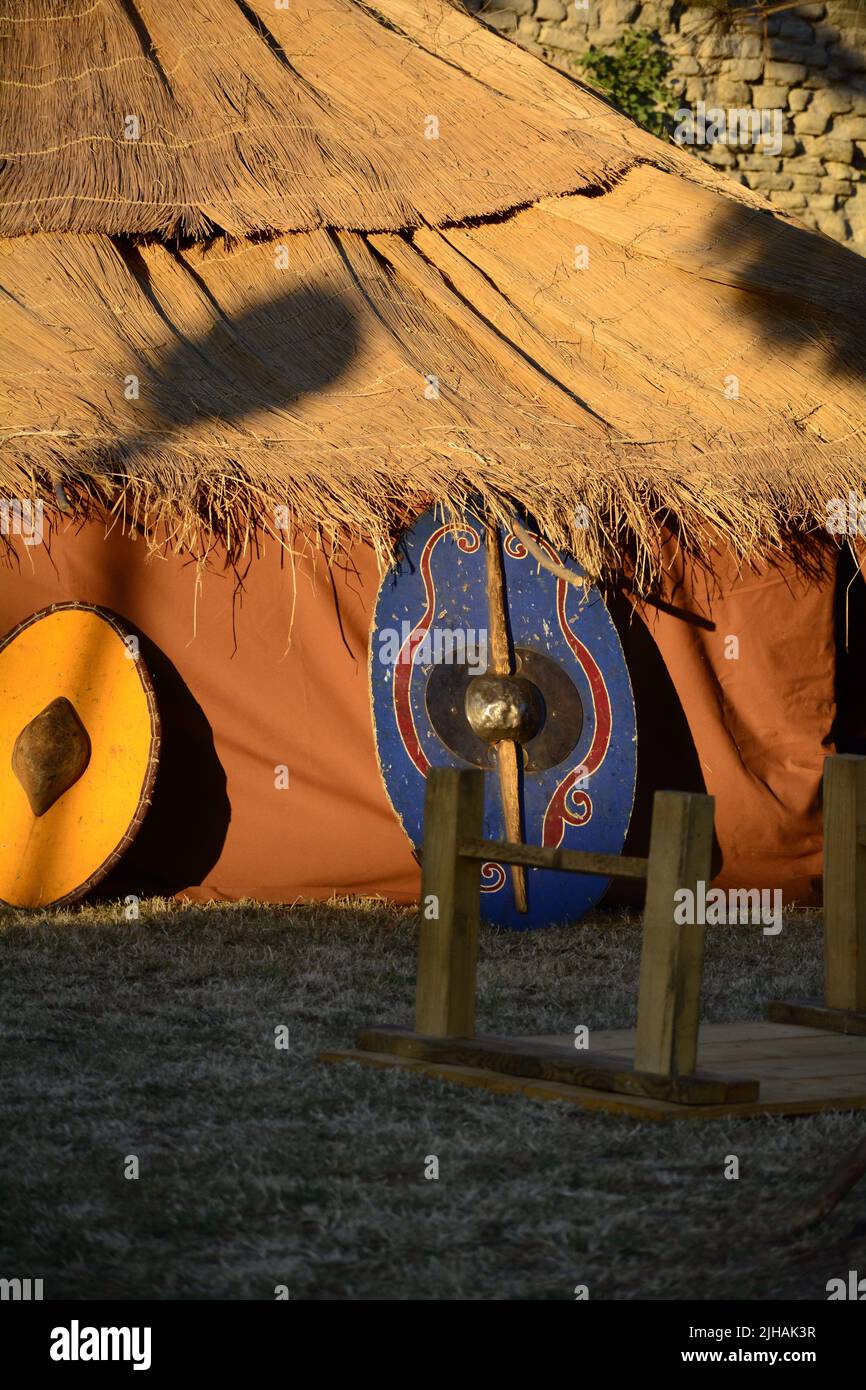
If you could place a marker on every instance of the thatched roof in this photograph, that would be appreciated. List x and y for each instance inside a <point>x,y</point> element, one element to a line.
<point>544,305</point>
<point>253,119</point>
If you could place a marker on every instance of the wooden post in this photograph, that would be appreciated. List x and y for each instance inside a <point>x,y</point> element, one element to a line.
<point>449,912</point>
<point>845,883</point>
<point>668,1011</point>
<point>500,661</point>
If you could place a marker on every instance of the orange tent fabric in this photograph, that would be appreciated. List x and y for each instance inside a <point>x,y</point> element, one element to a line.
<point>239,701</point>
<point>758,693</point>
<point>254,704</point>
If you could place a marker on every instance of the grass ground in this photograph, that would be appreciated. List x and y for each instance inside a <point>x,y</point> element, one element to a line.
<point>261,1167</point>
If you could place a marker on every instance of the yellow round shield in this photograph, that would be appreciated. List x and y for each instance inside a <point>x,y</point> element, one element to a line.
<point>79,746</point>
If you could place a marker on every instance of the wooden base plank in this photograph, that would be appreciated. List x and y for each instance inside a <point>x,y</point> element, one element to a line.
<point>801,1071</point>
<point>549,1062</point>
<point>814,1013</point>
<point>502,1084</point>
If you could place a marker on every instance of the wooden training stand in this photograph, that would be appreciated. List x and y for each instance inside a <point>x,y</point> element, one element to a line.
<point>651,1073</point>
<point>843,1008</point>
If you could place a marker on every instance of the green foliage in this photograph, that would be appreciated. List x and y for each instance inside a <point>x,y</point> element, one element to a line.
<point>634,75</point>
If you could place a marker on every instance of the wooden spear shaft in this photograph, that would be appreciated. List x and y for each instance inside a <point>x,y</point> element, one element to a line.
<point>500,663</point>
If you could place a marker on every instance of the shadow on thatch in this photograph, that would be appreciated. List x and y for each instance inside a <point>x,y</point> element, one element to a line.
<point>221,402</point>
<point>779,263</point>
<point>265,359</point>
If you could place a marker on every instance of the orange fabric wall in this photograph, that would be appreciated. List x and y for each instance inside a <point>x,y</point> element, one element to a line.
<point>761,721</point>
<point>756,725</point>
<point>306,707</point>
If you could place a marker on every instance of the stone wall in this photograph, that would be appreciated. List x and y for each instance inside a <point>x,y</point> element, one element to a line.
<point>808,63</point>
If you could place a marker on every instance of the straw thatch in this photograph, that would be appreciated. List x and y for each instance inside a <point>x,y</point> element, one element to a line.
<point>253,119</point>
<point>545,305</point>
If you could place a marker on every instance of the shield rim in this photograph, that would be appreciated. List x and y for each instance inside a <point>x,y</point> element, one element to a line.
<point>123,630</point>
